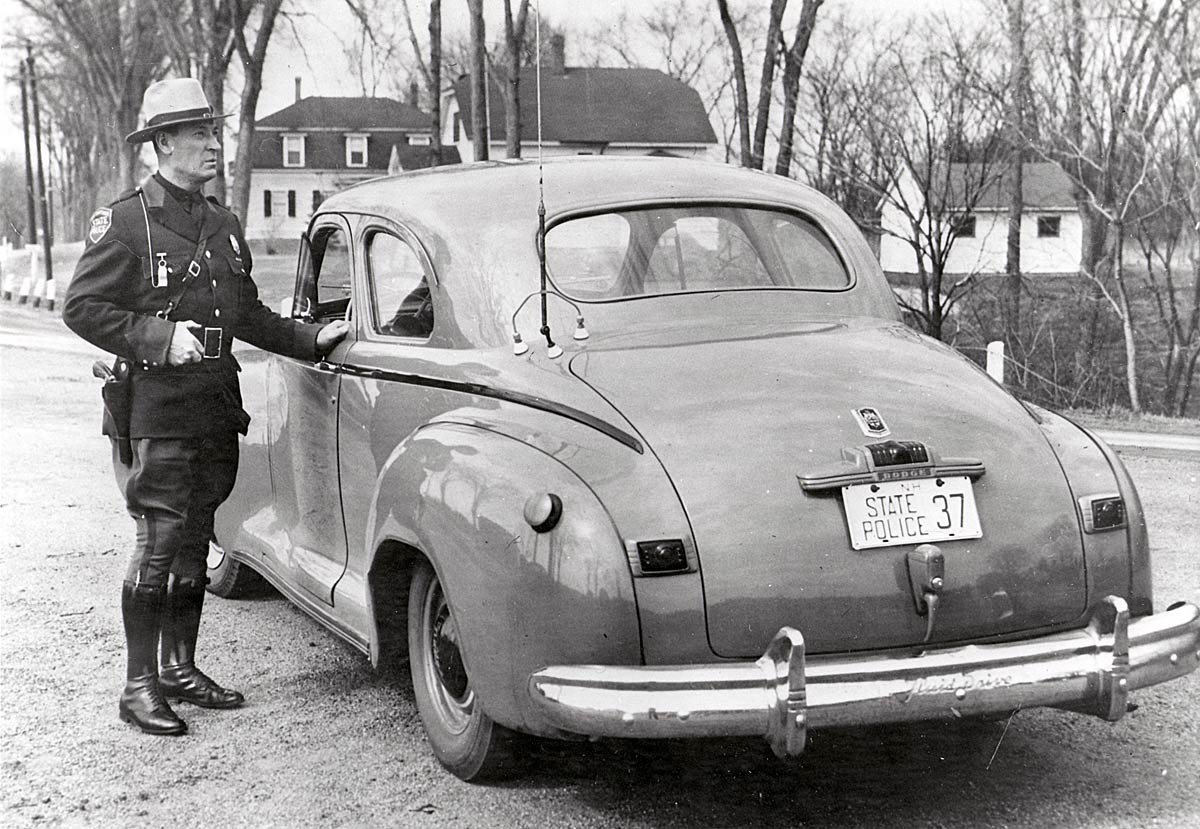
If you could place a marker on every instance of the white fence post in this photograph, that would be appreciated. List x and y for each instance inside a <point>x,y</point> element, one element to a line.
<point>995,360</point>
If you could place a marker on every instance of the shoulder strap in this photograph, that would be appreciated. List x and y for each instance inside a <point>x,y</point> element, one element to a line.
<point>193,270</point>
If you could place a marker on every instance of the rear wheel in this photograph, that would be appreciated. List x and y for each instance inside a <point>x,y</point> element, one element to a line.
<point>227,578</point>
<point>464,739</point>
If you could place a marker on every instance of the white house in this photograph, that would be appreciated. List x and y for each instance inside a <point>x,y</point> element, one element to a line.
<point>1051,228</point>
<point>318,146</point>
<point>588,111</point>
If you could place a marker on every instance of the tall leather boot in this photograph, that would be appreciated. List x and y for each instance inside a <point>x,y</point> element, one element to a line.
<point>142,703</point>
<point>179,677</point>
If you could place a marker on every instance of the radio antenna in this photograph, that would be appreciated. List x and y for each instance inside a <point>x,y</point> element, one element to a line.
<point>552,350</point>
<point>520,347</point>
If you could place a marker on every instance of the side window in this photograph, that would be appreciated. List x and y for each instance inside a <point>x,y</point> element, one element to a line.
<point>402,303</point>
<point>323,292</point>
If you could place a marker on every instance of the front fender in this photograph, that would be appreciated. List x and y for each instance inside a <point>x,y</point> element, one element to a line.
<point>521,599</point>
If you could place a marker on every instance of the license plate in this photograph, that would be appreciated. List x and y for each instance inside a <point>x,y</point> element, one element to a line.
<point>913,511</point>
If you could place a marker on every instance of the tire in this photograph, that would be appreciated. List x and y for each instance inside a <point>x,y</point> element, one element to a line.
<point>230,579</point>
<point>464,739</point>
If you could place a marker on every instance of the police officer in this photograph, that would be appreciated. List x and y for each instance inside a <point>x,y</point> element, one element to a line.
<point>164,283</point>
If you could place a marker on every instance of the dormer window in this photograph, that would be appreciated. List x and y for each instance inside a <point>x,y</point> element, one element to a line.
<point>356,150</point>
<point>419,139</point>
<point>293,151</point>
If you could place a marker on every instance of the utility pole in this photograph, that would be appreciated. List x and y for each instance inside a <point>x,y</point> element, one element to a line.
<point>46,230</point>
<point>31,224</point>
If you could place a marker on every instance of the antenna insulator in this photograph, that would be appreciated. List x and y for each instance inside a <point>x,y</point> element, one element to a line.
<point>519,345</point>
<point>554,352</point>
<point>581,332</point>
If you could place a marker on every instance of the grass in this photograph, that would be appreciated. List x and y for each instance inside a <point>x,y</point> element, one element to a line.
<point>1126,421</point>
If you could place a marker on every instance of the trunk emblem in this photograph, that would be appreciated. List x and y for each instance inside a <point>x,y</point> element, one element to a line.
<point>871,422</point>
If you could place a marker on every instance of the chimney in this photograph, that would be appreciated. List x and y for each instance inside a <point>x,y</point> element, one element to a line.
<point>414,94</point>
<point>297,89</point>
<point>556,61</point>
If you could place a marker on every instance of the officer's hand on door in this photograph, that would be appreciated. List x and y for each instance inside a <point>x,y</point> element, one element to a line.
<point>331,335</point>
<point>185,348</point>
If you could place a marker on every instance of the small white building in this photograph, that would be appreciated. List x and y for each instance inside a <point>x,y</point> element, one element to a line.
<point>587,111</point>
<point>1051,228</point>
<point>318,146</point>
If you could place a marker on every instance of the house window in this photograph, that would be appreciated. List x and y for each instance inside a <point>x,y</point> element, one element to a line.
<point>457,127</point>
<point>267,203</point>
<point>293,151</point>
<point>1049,227</point>
<point>963,226</point>
<point>292,203</point>
<point>420,140</point>
<point>356,151</point>
<point>317,199</point>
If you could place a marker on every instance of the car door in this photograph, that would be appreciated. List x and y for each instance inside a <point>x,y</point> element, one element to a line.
<point>382,399</point>
<point>304,410</point>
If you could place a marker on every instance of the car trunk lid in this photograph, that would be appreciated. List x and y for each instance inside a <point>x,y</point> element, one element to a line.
<point>736,422</point>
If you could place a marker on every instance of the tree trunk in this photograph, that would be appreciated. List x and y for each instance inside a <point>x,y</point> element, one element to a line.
<point>1016,200</point>
<point>479,81</point>
<point>1126,314</point>
<point>739,82</point>
<point>770,56</point>
<point>794,63</point>
<point>514,41</point>
<point>435,78</point>
<point>252,65</point>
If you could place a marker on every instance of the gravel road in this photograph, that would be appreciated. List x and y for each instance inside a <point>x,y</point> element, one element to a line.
<point>324,741</point>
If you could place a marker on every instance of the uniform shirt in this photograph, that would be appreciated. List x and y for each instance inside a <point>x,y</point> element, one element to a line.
<point>128,291</point>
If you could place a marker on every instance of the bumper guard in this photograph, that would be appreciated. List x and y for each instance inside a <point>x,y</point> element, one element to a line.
<point>1090,670</point>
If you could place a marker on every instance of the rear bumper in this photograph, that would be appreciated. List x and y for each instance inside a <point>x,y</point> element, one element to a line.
<point>1091,670</point>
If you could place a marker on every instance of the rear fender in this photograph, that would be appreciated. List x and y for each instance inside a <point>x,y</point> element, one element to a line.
<point>521,599</point>
<point>1118,563</point>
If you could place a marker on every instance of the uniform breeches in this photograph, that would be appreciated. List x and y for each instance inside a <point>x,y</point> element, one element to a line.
<point>172,491</point>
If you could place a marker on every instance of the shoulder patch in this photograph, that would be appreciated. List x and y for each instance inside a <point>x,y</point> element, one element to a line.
<point>101,221</point>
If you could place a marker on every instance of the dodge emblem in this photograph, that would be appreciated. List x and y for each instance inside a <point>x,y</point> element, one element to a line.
<point>871,422</point>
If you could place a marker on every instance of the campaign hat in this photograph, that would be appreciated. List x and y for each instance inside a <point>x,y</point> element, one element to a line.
<point>171,103</point>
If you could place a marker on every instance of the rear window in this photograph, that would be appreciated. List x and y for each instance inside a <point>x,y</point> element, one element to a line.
<point>664,250</point>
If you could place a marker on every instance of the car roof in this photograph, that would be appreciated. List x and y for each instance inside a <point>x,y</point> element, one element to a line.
<point>442,196</point>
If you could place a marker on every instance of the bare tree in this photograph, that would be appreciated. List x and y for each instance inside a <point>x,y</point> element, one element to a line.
<point>514,46</point>
<point>200,42</point>
<point>774,49</point>
<point>101,54</point>
<point>252,58</point>
<point>430,69</point>
<point>937,159</point>
<point>1017,124</point>
<point>1123,66</point>
<point>479,81</point>
<point>793,65</point>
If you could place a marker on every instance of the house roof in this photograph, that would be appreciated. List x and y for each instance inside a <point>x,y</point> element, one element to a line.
<point>325,123</point>
<point>349,114</point>
<point>1044,186</point>
<point>600,106</point>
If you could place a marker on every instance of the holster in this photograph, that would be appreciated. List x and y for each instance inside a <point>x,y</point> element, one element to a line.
<point>116,393</point>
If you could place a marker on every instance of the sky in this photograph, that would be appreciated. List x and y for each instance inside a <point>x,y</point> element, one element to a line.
<point>322,24</point>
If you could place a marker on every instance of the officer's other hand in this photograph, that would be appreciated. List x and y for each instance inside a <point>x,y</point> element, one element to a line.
<point>331,335</point>
<point>185,348</point>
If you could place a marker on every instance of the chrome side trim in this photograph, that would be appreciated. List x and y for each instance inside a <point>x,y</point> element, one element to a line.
<point>520,398</point>
<point>1090,670</point>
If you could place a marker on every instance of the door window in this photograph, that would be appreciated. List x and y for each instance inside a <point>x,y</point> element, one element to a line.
<point>323,291</point>
<point>402,303</point>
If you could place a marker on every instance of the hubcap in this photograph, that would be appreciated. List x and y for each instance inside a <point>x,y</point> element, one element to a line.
<point>446,656</point>
<point>447,675</point>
